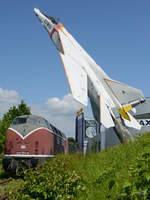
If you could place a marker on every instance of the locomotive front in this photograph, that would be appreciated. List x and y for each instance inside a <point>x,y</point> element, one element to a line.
<point>29,141</point>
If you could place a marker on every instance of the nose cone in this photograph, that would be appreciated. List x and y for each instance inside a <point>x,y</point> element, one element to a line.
<point>39,15</point>
<point>36,11</point>
<point>48,22</point>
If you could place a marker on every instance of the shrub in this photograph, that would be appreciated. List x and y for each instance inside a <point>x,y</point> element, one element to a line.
<point>53,180</point>
<point>138,186</point>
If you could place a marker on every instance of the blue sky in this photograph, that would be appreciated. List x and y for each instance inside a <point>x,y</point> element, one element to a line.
<point>115,33</point>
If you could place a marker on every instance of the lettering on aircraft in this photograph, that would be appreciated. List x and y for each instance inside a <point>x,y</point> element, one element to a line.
<point>144,122</point>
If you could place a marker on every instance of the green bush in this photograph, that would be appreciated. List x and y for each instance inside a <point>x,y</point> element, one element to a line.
<point>138,185</point>
<point>55,179</point>
<point>119,173</point>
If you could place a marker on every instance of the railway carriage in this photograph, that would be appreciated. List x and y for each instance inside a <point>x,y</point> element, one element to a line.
<point>30,140</point>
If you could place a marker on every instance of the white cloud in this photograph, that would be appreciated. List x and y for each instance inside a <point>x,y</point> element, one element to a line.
<point>60,112</point>
<point>8,98</point>
<point>65,106</point>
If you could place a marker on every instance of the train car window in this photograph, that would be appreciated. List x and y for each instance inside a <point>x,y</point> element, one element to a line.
<point>62,135</point>
<point>47,124</point>
<point>59,132</point>
<point>19,121</point>
<point>53,128</point>
<point>58,141</point>
<point>50,127</point>
<point>56,131</point>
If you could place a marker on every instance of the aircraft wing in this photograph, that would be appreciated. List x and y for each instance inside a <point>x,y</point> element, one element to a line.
<point>77,79</point>
<point>72,62</point>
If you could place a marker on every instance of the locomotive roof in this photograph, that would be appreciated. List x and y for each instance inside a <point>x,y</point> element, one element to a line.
<point>26,123</point>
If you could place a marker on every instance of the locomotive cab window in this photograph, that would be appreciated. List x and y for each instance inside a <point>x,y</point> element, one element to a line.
<point>32,121</point>
<point>19,121</point>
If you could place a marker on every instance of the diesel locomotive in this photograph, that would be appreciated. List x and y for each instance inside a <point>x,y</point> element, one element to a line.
<point>31,140</point>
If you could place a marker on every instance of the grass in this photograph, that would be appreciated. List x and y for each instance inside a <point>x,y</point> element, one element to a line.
<point>107,173</point>
<point>10,185</point>
<point>120,173</point>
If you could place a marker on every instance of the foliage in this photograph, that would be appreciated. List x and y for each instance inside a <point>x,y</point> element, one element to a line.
<point>72,145</point>
<point>71,139</point>
<point>53,180</point>
<point>138,185</point>
<point>7,119</point>
<point>95,147</point>
<point>124,175</point>
<point>119,173</point>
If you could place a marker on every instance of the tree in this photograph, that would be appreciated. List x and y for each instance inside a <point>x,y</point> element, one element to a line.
<point>7,119</point>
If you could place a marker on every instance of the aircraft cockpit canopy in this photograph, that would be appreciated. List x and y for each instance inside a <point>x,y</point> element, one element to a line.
<point>53,19</point>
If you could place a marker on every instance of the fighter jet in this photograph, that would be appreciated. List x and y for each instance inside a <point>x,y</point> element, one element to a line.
<point>113,103</point>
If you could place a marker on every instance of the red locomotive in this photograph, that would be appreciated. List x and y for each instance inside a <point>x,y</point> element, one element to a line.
<point>30,140</point>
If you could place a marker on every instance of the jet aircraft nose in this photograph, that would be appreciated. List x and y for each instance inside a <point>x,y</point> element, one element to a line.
<point>40,15</point>
<point>36,10</point>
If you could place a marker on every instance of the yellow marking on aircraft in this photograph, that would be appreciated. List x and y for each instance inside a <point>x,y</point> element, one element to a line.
<point>123,111</point>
